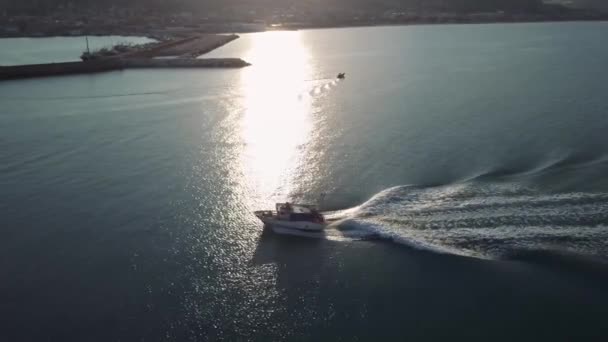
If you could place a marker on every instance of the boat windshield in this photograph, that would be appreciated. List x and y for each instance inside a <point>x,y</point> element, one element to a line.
<point>294,212</point>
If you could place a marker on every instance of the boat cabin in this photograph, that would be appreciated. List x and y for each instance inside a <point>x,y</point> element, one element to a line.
<point>295,212</point>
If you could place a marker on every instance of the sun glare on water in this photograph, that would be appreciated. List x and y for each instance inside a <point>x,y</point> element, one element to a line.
<point>276,123</point>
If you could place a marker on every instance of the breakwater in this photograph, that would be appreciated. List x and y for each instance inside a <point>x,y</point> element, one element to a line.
<point>190,47</point>
<point>110,64</point>
<point>175,53</point>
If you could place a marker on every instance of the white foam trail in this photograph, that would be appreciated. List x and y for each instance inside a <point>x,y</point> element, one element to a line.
<point>367,230</point>
<point>477,219</point>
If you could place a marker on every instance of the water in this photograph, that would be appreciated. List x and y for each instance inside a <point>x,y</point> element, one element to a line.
<point>16,51</point>
<point>127,196</point>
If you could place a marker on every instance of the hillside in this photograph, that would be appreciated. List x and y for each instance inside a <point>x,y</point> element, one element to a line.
<point>41,6</point>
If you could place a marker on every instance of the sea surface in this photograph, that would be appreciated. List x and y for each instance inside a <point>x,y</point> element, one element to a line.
<point>17,51</point>
<point>464,169</point>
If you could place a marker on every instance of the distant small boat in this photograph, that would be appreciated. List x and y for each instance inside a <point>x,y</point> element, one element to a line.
<point>341,76</point>
<point>292,217</point>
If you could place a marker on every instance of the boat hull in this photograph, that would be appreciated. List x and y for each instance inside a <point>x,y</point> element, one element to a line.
<point>303,226</point>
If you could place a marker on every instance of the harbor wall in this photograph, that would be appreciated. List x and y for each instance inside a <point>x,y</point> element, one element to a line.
<point>69,68</point>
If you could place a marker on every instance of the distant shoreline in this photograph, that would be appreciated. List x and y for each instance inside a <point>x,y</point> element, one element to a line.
<point>309,26</point>
<point>429,23</point>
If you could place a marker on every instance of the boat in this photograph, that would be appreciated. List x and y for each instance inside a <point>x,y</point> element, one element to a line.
<point>292,218</point>
<point>341,76</point>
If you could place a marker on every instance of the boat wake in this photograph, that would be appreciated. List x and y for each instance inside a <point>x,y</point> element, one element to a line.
<point>478,219</point>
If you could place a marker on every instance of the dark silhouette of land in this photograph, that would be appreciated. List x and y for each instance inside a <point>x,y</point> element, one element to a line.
<point>159,18</point>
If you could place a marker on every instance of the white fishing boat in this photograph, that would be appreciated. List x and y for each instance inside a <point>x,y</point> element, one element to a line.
<point>292,218</point>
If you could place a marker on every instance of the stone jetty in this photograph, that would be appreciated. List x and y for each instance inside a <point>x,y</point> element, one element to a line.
<point>182,53</point>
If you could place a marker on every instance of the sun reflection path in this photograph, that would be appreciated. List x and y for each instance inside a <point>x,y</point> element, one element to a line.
<point>277,120</point>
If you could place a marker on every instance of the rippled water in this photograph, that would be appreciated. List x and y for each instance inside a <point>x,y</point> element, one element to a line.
<point>132,191</point>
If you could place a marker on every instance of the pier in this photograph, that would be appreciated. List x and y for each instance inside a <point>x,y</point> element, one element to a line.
<point>70,68</point>
<point>177,53</point>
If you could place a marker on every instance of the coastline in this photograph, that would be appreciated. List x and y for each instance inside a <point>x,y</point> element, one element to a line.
<point>168,35</point>
<point>319,27</point>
